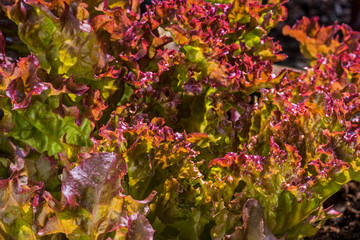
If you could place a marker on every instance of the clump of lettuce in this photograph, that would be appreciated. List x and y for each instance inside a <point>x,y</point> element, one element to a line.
<point>131,120</point>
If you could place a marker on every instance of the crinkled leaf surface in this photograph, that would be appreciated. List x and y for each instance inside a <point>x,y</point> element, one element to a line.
<point>46,131</point>
<point>63,44</point>
<point>16,209</point>
<point>92,204</point>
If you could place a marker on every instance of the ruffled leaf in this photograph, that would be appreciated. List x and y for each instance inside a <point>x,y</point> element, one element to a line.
<point>17,217</point>
<point>92,204</point>
<point>46,131</point>
<point>325,41</point>
<point>63,45</point>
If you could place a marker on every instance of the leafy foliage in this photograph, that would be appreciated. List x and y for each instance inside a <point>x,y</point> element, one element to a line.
<point>131,120</point>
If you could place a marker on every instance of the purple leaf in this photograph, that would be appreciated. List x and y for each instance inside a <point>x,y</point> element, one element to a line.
<point>95,180</point>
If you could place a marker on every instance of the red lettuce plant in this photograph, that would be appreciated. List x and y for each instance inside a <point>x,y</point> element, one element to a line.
<point>165,119</point>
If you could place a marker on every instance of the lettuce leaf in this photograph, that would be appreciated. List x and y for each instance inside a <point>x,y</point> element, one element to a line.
<point>46,131</point>
<point>63,44</point>
<point>92,204</point>
<point>16,208</point>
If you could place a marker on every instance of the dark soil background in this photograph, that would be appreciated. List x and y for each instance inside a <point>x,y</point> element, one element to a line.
<point>347,200</point>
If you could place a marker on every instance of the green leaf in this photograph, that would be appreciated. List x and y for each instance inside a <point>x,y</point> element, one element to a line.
<point>253,37</point>
<point>63,45</point>
<point>239,12</point>
<point>46,131</point>
<point>255,226</point>
<point>16,211</point>
<point>193,54</point>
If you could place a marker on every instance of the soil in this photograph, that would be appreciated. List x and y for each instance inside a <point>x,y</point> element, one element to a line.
<point>347,200</point>
<point>346,227</point>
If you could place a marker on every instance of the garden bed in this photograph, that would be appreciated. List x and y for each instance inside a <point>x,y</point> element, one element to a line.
<point>200,140</point>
